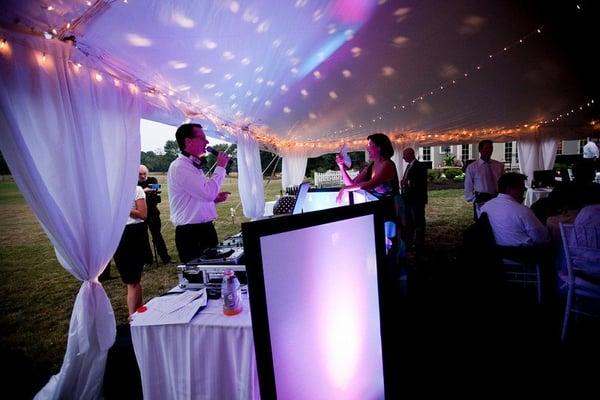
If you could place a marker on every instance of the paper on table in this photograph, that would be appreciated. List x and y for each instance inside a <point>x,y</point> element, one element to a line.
<point>181,315</point>
<point>172,303</point>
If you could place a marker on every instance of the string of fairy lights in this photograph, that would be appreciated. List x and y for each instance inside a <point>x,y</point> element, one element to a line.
<point>332,141</point>
<point>167,96</point>
<point>450,136</point>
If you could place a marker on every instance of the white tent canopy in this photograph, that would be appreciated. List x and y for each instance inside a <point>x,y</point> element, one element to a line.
<point>316,73</point>
<point>296,77</point>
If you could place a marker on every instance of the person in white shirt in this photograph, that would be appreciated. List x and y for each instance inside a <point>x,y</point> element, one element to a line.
<point>589,215</point>
<point>481,177</point>
<point>193,195</point>
<point>512,223</point>
<point>590,150</point>
<point>130,254</point>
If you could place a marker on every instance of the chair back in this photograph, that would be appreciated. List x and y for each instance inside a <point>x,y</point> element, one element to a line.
<point>581,246</point>
<point>480,237</point>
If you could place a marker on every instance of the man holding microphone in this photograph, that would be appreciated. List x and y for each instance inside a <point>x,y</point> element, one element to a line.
<point>193,195</point>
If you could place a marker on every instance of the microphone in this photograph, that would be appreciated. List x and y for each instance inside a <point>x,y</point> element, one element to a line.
<point>216,153</point>
<point>212,151</point>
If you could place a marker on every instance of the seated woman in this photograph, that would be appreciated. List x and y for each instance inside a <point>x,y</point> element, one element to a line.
<point>129,257</point>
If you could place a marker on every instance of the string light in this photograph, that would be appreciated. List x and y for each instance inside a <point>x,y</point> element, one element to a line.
<point>275,142</point>
<point>490,57</point>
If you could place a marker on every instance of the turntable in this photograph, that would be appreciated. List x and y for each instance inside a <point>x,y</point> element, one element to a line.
<point>208,269</point>
<point>233,241</point>
<point>219,255</point>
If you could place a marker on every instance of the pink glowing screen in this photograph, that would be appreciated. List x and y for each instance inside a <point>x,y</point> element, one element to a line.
<point>321,200</point>
<point>323,311</point>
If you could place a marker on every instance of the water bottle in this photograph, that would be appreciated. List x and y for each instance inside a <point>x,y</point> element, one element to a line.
<point>231,293</point>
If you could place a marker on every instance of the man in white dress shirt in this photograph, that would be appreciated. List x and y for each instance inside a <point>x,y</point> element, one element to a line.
<point>590,150</point>
<point>481,177</point>
<point>193,195</point>
<point>514,224</point>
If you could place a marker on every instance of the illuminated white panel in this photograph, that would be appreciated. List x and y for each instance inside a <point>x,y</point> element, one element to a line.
<point>321,200</point>
<point>323,311</point>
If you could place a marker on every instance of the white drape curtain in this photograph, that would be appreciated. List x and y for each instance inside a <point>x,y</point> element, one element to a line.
<point>548,149</point>
<point>250,179</point>
<point>72,144</point>
<point>536,154</point>
<point>293,167</point>
<point>397,159</point>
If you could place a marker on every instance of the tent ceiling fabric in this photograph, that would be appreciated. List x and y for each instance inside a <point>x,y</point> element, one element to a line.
<point>316,73</point>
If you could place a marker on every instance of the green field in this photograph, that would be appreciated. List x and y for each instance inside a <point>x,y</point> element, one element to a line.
<point>37,294</point>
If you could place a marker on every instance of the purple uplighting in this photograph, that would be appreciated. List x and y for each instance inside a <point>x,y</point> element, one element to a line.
<point>323,311</point>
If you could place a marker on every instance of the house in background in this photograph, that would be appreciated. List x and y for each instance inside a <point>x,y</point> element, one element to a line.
<point>506,152</point>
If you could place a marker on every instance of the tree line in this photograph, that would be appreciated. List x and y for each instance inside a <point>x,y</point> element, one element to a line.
<point>157,162</point>
<point>160,162</point>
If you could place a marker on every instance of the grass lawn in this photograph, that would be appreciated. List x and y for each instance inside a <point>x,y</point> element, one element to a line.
<point>37,294</point>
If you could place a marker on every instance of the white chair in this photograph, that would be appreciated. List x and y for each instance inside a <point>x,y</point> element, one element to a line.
<point>581,246</point>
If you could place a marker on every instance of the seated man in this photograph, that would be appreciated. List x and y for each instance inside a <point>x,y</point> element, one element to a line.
<point>519,235</point>
<point>512,223</point>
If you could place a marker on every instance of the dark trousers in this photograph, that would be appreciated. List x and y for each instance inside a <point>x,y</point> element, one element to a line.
<point>191,240</point>
<point>154,226</point>
<point>414,225</point>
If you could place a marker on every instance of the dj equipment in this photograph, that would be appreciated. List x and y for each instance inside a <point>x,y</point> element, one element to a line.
<point>233,241</point>
<point>219,255</point>
<point>208,269</point>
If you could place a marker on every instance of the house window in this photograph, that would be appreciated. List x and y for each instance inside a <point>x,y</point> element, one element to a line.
<point>427,153</point>
<point>517,155</point>
<point>445,149</point>
<point>464,153</point>
<point>582,142</point>
<point>559,149</point>
<point>508,152</point>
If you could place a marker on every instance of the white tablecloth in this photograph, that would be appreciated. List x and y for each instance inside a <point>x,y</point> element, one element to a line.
<point>212,357</point>
<point>534,195</point>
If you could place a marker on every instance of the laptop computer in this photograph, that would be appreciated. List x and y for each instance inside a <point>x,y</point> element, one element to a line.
<point>301,197</point>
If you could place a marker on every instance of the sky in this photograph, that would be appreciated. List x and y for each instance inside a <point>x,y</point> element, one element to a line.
<point>154,135</point>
